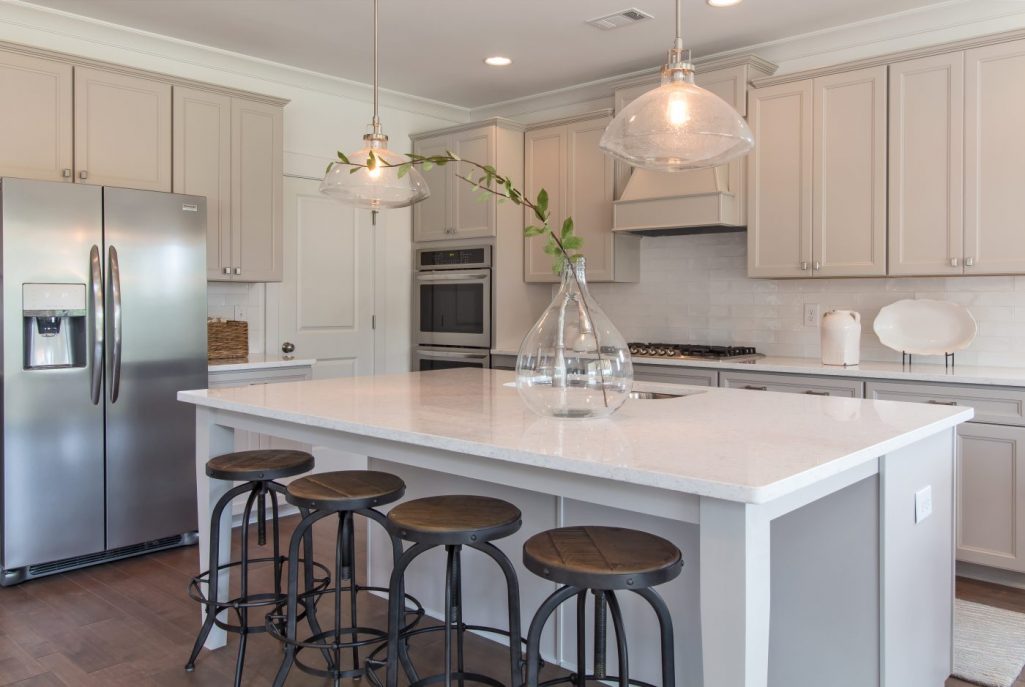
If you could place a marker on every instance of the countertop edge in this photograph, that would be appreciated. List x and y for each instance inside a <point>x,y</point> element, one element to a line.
<point>260,365</point>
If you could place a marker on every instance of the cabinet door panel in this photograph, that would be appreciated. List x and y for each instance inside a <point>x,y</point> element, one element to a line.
<point>991,494</point>
<point>430,216</point>
<point>202,167</point>
<point>780,188</point>
<point>35,118</point>
<point>256,190</point>
<point>849,225</point>
<point>926,175</point>
<point>995,159</point>
<point>471,218</point>
<point>590,186</point>
<point>545,161</point>
<point>122,130</point>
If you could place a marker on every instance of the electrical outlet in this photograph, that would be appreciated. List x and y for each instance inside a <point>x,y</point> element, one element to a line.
<point>923,503</point>
<point>811,314</point>
<point>240,313</point>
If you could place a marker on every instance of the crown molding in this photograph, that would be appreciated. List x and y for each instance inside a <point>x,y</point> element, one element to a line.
<point>87,40</point>
<point>572,119</point>
<point>500,122</point>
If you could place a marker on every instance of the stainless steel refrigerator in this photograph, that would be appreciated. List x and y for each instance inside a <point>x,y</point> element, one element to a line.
<point>104,320</point>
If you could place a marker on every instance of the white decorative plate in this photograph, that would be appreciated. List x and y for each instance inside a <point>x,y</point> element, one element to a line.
<point>925,327</point>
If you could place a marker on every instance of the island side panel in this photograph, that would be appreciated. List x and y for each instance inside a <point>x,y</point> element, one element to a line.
<point>824,627</point>
<point>917,592</point>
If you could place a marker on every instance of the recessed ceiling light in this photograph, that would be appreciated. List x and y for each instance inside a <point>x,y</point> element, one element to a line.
<point>723,3</point>
<point>498,61</point>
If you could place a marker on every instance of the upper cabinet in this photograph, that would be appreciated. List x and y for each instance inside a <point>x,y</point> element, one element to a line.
<point>817,195</point>
<point>35,125</point>
<point>202,167</point>
<point>122,130</point>
<point>256,190</point>
<point>87,122</point>
<point>453,210</point>
<point>926,219</point>
<point>565,160</point>
<point>994,204</point>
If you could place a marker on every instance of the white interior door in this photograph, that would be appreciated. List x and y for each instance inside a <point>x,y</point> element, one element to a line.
<point>325,302</point>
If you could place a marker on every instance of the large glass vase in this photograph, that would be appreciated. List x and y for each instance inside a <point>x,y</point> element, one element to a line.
<point>574,363</point>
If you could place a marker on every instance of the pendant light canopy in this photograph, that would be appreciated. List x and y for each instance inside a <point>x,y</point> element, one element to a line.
<point>378,186</point>
<point>678,125</point>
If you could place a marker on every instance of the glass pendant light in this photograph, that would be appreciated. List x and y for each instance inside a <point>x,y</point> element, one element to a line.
<point>376,187</point>
<point>678,125</point>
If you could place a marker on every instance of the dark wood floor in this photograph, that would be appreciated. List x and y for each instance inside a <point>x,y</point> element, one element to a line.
<point>130,624</point>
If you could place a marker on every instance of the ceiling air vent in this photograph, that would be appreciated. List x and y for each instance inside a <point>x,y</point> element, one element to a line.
<point>619,19</point>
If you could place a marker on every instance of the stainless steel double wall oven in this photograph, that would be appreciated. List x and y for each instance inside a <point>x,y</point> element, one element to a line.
<point>452,308</point>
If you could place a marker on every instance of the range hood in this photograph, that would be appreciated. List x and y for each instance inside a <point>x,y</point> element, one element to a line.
<point>697,201</point>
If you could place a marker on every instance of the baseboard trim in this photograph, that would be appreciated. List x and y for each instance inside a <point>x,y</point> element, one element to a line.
<point>1007,578</point>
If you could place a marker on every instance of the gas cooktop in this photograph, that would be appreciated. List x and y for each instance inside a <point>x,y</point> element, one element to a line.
<point>693,352</point>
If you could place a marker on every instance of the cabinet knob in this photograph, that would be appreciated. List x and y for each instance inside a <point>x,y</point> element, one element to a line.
<point>969,262</point>
<point>287,347</point>
<point>66,173</point>
<point>954,262</point>
<point>804,265</point>
<point>83,174</point>
<point>227,270</point>
<point>238,270</point>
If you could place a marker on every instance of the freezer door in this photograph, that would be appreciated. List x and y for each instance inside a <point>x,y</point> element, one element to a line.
<point>52,429</point>
<point>156,347</point>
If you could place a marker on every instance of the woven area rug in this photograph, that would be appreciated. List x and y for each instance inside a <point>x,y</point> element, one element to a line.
<point>989,644</point>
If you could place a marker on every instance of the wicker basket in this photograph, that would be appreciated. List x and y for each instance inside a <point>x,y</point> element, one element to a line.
<point>227,339</point>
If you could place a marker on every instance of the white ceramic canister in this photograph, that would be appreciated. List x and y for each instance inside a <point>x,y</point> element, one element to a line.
<point>841,337</point>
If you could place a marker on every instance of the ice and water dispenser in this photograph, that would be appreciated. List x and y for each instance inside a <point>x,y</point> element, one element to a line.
<point>54,325</point>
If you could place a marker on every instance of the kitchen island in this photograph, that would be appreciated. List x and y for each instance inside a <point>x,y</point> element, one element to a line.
<point>817,532</point>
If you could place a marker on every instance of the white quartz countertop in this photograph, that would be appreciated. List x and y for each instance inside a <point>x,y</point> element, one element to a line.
<point>728,444</point>
<point>258,362</point>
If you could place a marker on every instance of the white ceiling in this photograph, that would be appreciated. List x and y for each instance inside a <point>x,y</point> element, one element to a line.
<point>434,48</point>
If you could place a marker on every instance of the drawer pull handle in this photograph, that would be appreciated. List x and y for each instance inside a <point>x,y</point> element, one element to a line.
<point>750,387</point>
<point>812,392</point>
<point>941,403</point>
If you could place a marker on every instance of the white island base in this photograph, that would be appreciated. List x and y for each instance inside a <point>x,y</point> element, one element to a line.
<point>805,565</point>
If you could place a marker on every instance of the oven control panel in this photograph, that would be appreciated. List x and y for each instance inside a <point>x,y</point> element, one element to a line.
<point>473,256</point>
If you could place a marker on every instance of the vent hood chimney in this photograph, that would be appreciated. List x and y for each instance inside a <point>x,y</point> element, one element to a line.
<point>697,201</point>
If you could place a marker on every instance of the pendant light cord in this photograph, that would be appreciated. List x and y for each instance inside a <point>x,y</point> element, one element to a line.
<point>678,44</point>
<point>377,119</point>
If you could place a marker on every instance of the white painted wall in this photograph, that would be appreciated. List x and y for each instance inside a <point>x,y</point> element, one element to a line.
<point>324,114</point>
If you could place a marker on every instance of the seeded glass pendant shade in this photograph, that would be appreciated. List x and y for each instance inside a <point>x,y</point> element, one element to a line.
<point>377,186</point>
<point>678,125</point>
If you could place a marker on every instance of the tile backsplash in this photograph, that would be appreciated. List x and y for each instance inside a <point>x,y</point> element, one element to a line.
<point>695,289</point>
<point>240,301</point>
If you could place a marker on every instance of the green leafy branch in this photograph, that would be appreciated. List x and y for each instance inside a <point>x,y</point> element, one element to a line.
<point>561,244</point>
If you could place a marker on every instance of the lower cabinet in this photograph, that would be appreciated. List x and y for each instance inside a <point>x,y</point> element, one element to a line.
<point>991,495</point>
<point>694,376</point>
<point>793,384</point>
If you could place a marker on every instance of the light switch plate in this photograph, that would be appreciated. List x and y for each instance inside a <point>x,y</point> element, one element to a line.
<point>923,503</point>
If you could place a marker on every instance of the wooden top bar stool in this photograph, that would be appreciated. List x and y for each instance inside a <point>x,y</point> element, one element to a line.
<point>601,560</point>
<point>257,470</point>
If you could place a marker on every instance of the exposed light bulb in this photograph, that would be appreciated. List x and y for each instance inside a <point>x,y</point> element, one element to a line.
<point>374,172</point>
<point>678,112</point>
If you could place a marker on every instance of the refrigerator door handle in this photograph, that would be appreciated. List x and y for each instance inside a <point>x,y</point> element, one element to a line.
<point>115,315</point>
<point>96,272</point>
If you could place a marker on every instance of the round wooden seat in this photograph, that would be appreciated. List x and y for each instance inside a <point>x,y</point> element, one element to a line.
<point>347,490</point>
<point>602,557</point>
<point>250,466</point>
<point>454,520</point>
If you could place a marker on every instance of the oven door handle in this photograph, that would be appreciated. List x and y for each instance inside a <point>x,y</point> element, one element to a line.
<point>452,276</point>
<point>445,355</point>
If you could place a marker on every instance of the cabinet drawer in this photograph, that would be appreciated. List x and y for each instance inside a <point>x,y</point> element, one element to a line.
<point>992,404</point>
<point>793,384</point>
<point>694,376</point>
